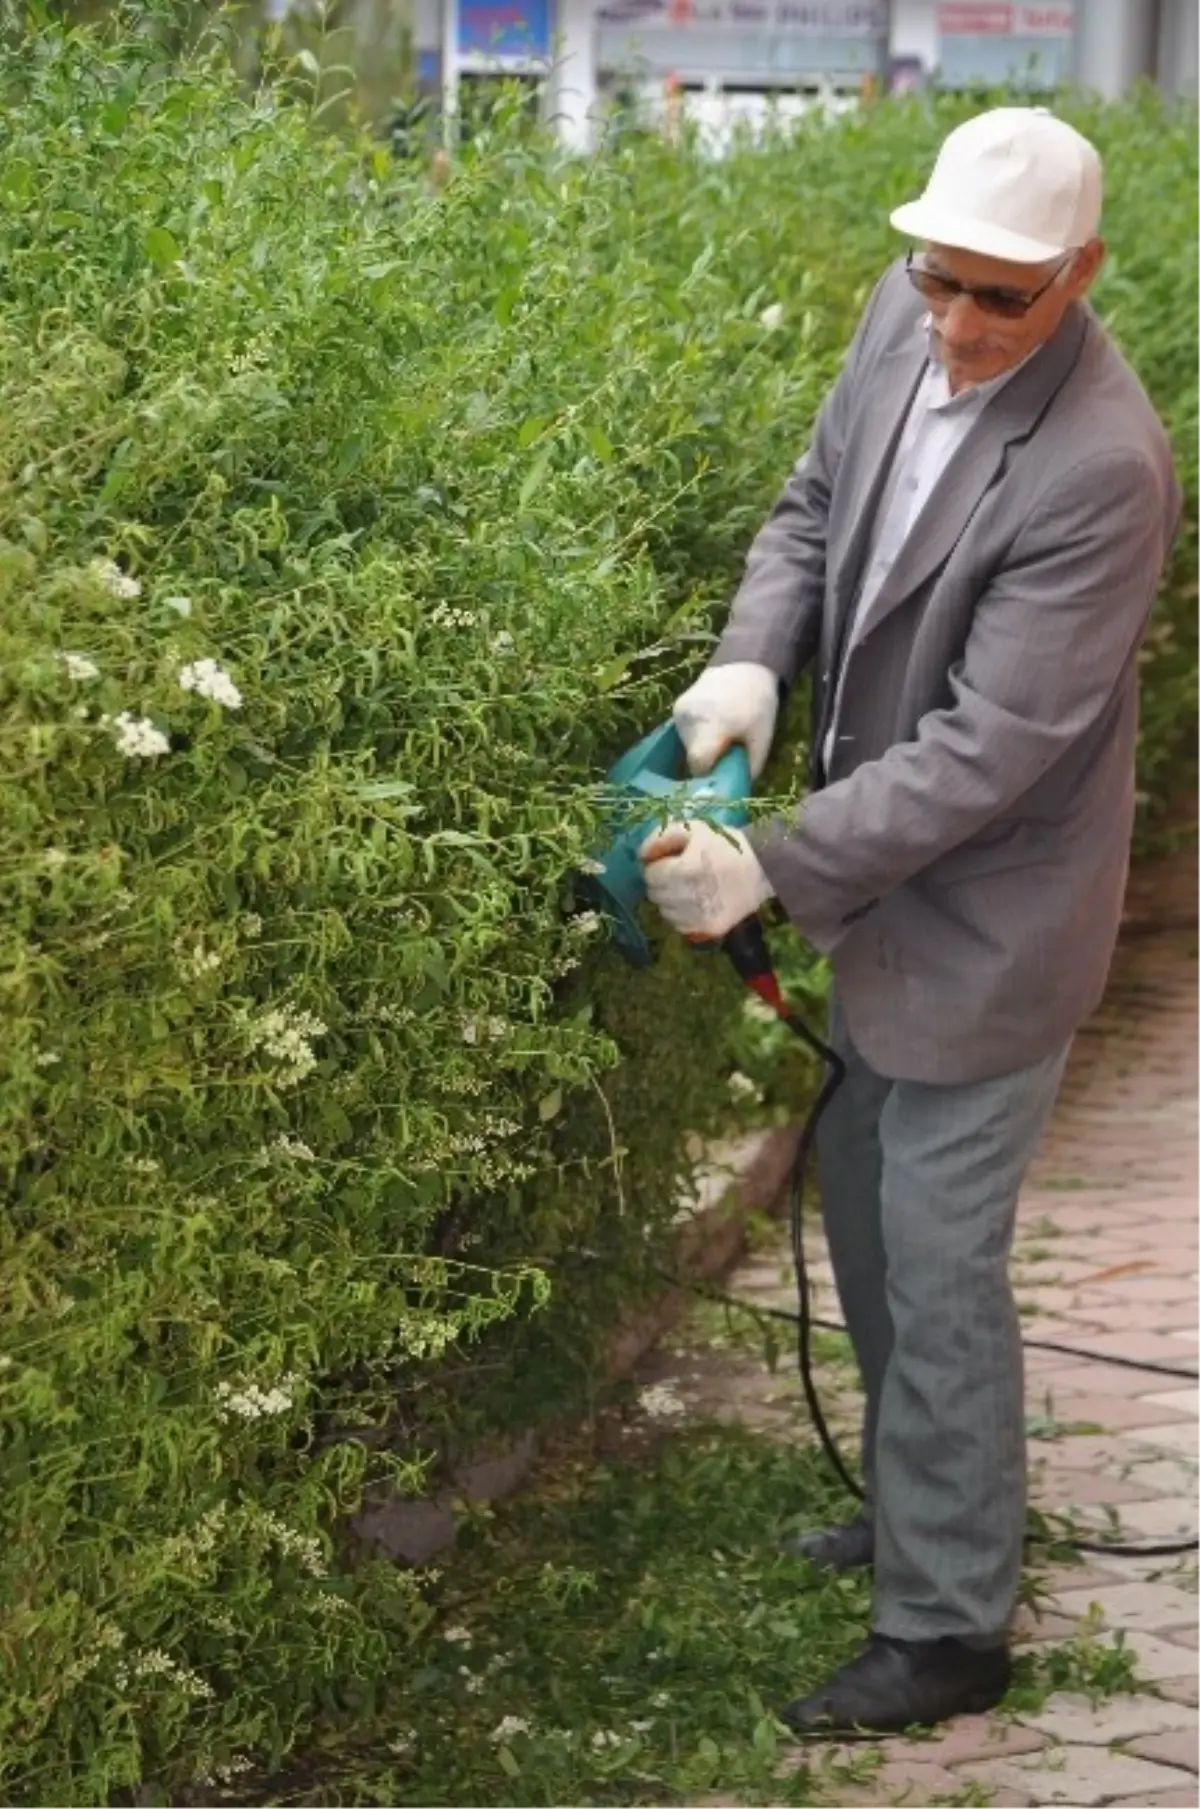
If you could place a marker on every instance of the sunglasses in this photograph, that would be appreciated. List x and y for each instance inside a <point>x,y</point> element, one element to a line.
<point>1004,302</point>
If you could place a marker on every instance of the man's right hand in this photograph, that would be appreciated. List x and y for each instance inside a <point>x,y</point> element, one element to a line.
<point>728,704</point>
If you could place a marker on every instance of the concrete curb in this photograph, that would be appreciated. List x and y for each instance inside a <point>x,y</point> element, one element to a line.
<point>737,1179</point>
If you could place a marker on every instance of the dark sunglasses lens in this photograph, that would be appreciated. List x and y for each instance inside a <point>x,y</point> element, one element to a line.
<point>1008,307</point>
<point>933,288</point>
<point>943,289</point>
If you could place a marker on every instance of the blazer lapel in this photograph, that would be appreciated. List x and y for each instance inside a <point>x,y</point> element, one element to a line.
<point>1011,415</point>
<point>866,461</point>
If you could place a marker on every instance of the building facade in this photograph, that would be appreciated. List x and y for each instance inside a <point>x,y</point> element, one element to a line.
<point>727,59</point>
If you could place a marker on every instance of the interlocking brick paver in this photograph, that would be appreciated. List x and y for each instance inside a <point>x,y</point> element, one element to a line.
<point>1175,1748</point>
<point>1076,1720</point>
<point>1162,1799</point>
<point>1078,1775</point>
<point>1148,1606</point>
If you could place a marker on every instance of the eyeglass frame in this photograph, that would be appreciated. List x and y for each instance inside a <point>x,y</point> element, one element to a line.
<point>1016,307</point>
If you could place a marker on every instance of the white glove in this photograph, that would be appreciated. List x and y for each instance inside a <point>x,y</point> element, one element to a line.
<point>703,882</point>
<point>728,704</point>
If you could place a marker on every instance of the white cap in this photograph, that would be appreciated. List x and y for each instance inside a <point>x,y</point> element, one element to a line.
<point>1015,183</point>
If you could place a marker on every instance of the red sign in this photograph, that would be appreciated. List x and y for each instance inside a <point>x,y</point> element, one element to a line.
<point>975,21</point>
<point>984,21</point>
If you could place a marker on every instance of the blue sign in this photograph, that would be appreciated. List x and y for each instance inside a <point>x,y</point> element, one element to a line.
<point>504,28</point>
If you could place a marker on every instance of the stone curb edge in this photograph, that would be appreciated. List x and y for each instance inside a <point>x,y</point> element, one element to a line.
<point>740,1178</point>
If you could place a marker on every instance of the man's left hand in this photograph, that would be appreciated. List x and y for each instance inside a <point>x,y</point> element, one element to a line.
<point>703,881</point>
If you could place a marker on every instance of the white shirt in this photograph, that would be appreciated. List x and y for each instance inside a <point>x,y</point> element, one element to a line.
<point>936,426</point>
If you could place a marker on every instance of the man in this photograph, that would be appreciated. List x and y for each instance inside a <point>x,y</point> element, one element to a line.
<point>968,551</point>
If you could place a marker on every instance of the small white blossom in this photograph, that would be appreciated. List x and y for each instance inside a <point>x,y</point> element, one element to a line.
<point>55,858</point>
<point>588,923</point>
<point>771,317</point>
<point>233,1768</point>
<point>640,1727</point>
<point>591,866</point>
<point>759,1011</point>
<point>511,1724</point>
<point>46,1058</point>
<point>78,665</point>
<point>285,1033</point>
<point>197,961</point>
<point>157,1663</point>
<point>304,1547</point>
<point>444,616</point>
<point>181,605</point>
<point>470,1030</point>
<point>604,1737</point>
<point>661,1402</point>
<point>116,582</point>
<point>294,1148</point>
<point>661,1700</point>
<point>137,736</point>
<point>143,1165</point>
<point>402,1744</point>
<point>208,678</point>
<point>255,1403</point>
<point>502,642</point>
<point>458,1635</point>
<point>742,1087</point>
<point>472,1682</point>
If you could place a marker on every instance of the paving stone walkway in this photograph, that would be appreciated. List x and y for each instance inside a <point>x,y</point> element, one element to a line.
<point>1106,1260</point>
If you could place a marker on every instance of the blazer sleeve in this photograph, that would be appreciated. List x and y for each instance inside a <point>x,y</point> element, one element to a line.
<point>775,617</point>
<point>1048,643</point>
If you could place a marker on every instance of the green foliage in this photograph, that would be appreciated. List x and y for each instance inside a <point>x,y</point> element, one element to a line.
<point>348,529</point>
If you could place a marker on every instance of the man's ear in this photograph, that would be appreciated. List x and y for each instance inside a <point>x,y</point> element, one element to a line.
<point>1087,266</point>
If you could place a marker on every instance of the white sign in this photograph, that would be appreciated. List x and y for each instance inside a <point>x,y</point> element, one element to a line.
<point>833,19</point>
<point>987,21</point>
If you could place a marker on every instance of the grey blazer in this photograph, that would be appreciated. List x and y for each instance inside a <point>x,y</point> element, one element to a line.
<point>963,862</point>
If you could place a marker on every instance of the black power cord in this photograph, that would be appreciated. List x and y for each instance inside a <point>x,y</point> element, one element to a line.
<point>747,949</point>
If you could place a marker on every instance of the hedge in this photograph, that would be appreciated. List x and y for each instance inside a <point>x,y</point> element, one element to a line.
<point>349,527</point>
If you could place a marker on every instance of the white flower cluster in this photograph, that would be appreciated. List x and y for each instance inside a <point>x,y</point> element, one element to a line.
<point>157,1663</point>
<point>402,1744</point>
<point>444,616</point>
<point>143,1165</point>
<point>426,1335</point>
<point>116,582</point>
<point>494,1028</point>
<point>197,961</point>
<point>181,605</point>
<point>511,1724</point>
<point>771,317</point>
<point>588,923</point>
<point>502,642</point>
<point>458,1635</point>
<point>47,1058</point>
<point>253,355</point>
<point>233,1768</point>
<point>604,1738</point>
<point>591,866</point>
<point>661,1402</point>
<point>79,666</point>
<point>304,1547</point>
<point>759,1010</point>
<point>208,678</point>
<point>106,1637</point>
<point>136,736</point>
<point>255,1403</point>
<point>294,1148</point>
<point>186,1549</point>
<point>742,1087</point>
<point>285,1033</point>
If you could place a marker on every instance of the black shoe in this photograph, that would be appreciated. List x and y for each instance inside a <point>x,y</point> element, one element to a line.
<point>899,1683</point>
<point>849,1547</point>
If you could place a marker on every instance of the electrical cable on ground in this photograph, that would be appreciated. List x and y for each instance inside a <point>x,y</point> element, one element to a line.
<point>749,958</point>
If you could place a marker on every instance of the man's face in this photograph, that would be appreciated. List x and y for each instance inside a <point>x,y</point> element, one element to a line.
<point>974,342</point>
